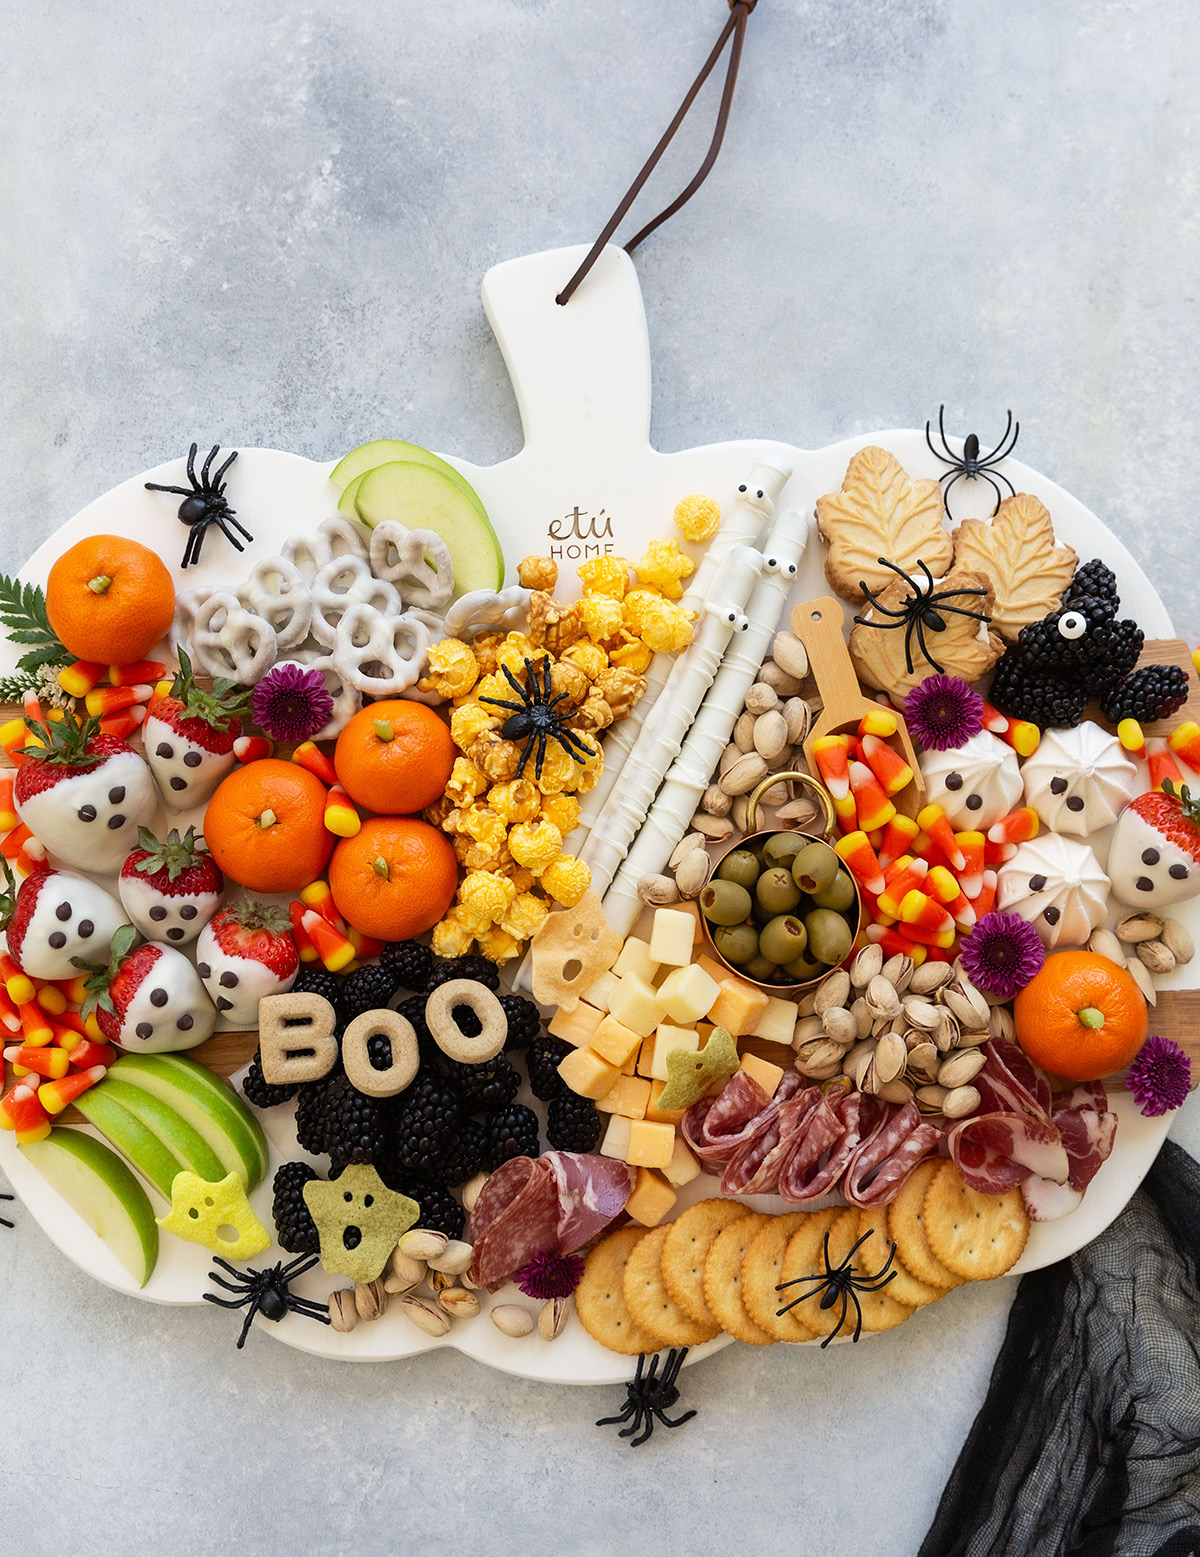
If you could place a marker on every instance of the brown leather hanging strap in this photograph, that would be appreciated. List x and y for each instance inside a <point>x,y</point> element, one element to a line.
<point>735,27</point>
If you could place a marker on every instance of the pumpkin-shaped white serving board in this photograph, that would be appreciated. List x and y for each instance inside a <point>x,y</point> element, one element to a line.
<point>586,482</point>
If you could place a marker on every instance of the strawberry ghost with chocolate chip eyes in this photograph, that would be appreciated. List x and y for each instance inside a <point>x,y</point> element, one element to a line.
<point>244,954</point>
<point>148,999</point>
<point>1154,859</point>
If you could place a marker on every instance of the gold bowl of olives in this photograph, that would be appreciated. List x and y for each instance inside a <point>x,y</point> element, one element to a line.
<point>781,909</point>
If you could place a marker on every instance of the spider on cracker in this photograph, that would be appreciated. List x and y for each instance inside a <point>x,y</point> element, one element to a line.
<point>841,1281</point>
<point>920,611</point>
<point>534,720</point>
<point>970,464</point>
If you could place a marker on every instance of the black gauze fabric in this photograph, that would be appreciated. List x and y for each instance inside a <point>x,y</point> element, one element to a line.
<point>1088,1443</point>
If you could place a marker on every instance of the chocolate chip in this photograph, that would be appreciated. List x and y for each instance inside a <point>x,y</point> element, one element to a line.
<point>158,912</point>
<point>144,1030</point>
<point>115,821</point>
<point>116,794</point>
<point>974,802</point>
<point>1052,915</point>
<point>1036,883</point>
<point>1058,786</point>
<point>1179,872</point>
<point>177,782</point>
<point>158,997</point>
<point>193,759</point>
<point>203,969</point>
<point>86,813</point>
<point>1075,803</point>
<point>63,911</point>
<point>954,781</point>
<point>85,928</point>
<point>58,940</point>
<point>223,1004</point>
<point>188,911</point>
<point>164,749</point>
<point>1144,884</point>
<point>228,980</point>
<point>1150,856</point>
<point>174,933</point>
<point>186,1022</point>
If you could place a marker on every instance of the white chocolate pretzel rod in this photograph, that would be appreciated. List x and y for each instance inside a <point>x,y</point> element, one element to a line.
<point>676,802</point>
<point>662,734</point>
<point>741,525</point>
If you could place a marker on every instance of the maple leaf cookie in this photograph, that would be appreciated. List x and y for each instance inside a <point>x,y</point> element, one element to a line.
<point>1016,550</point>
<point>878,513</point>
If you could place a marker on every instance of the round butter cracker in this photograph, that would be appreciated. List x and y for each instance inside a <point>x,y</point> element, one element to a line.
<point>600,1296</point>
<point>977,1236</point>
<point>689,1239</point>
<point>906,1229</point>
<point>650,1303</point>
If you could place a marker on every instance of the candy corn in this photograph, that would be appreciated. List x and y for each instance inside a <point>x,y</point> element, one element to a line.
<point>335,950</point>
<point>309,755</point>
<point>901,878</point>
<point>21,1111</point>
<point>998,853</point>
<point>920,912</point>
<point>35,1024</point>
<point>111,700</point>
<point>87,1053</point>
<point>1018,826</point>
<point>31,857</point>
<point>879,722</point>
<point>15,841</point>
<point>861,860</point>
<point>317,895</point>
<point>42,1060</point>
<point>950,895</point>
<point>934,821</point>
<point>870,799</point>
<point>895,944</point>
<point>831,753</point>
<point>341,817</point>
<point>1129,733</point>
<point>898,837</point>
<point>10,1017</point>
<point>51,999</point>
<point>124,722</point>
<point>13,736</point>
<point>846,812</point>
<point>56,1095</point>
<point>1184,741</point>
<point>138,671</point>
<point>364,945</point>
<point>1020,734</point>
<point>1162,765</point>
<point>985,901</point>
<point>8,811</point>
<point>304,943</point>
<point>77,680</point>
<point>75,989</point>
<point>888,766</point>
<point>252,748</point>
<point>20,986</point>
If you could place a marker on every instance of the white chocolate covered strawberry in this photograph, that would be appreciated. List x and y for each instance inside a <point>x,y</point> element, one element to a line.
<point>170,890</point>
<point>244,954</point>
<point>189,736</point>
<point>148,999</point>
<point>56,917</point>
<point>83,794</point>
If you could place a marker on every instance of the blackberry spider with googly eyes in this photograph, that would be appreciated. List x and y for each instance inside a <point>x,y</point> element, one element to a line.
<point>971,465</point>
<point>535,720</point>
<point>921,612</point>
<point>650,1394</point>
<point>266,1292</point>
<point>844,1282</point>
<point>204,503</point>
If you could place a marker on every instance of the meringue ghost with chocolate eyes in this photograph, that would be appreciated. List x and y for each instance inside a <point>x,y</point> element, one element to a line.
<point>975,784</point>
<point>1078,780</point>
<point>1057,886</point>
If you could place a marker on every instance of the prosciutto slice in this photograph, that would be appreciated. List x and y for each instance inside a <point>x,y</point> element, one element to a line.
<point>716,1127</point>
<point>530,1204</point>
<point>878,1168</point>
<point>996,1152</point>
<point>1088,1127</point>
<point>1010,1082</point>
<point>754,1170</point>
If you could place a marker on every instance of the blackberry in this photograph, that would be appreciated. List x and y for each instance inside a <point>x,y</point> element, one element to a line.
<point>572,1123</point>
<point>310,1116</point>
<point>295,1229</point>
<point>440,1212</point>
<point>379,1051</point>
<point>313,979</point>
<point>260,1092</point>
<point>411,962</point>
<point>1095,580</point>
<point>1043,699</point>
<point>1113,652</point>
<point>1065,640</point>
<point>524,1021</point>
<point>489,1085</point>
<point>422,1128</point>
<point>413,1010</point>
<point>466,1155</point>
<point>354,1124</point>
<point>478,969</point>
<point>542,1060</point>
<point>366,989</point>
<point>511,1132</point>
<point>1154,692</point>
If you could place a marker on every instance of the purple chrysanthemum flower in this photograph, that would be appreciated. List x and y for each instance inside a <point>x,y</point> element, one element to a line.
<point>943,713</point>
<point>291,703</point>
<point>1001,954</point>
<point>1159,1077</point>
<point>550,1276</point>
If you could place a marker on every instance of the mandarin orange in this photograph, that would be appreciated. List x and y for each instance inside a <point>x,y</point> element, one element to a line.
<point>394,757</point>
<point>110,600</point>
<point>395,878</point>
<point>265,826</point>
<point>1082,1017</point>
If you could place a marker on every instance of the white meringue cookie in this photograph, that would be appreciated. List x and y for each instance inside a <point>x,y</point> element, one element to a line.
<point>1056,885</point>
<point>1078,780</point>
<point>975,784</point>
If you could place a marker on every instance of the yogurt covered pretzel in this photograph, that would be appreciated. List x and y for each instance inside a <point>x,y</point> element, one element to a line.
<point>278,592</point>
<point>417,562</point>
<point>342,583</point>
<point>380,655</point>
<point>228,640</point>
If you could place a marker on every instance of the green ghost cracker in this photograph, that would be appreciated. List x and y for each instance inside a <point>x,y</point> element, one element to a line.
<point>692,1076</point>
<point>359,1221</point>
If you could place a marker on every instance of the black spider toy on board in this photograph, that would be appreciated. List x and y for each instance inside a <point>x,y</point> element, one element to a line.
<point>844,1282</point>
<point>204,503</point>
<point>921,611</point>
<point>650,1394</point>
<point>266,1292</point>
<point>535,721</point>
<point>971,465</point>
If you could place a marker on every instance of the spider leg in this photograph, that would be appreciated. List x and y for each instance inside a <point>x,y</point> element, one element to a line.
<point>246,1327</point>
<point>237,524</point>
<point>4,1222</point>
<point>623,1416</point>
<point>547,686</point>
<point>526,752</point>
<point>500,702</point>
<point>882,626</point>
<point>299,1266</point>
<point>885,1267</point>
<point>154,486</point>
<point>540,737</point>
<point>911,582</point>
<point>229,1286</point>
<point>646,1417</point>
<point>958,475</point>
<point>569,739</point>
<point>849,1260</point>
<point>212,454</point>
<point>947,458</point>
<point>216,480</point>
<point>999,452</point>
<point>191,552</point>
<point>675,1421</point>
<point>228,533</point>
<point>924,650</point>
<point>841,1321</point>
<point>211,1297</point>
<point>309,1310</point>
<point>980,616</point>
<point>924,567</point>
<point>886,610</point>
<point>985,477</point>
<point>521,691</point>
<point>191,467</point>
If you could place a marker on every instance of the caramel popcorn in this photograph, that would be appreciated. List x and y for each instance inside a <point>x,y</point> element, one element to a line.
<point>497,757</point>
<point>535,844</point>
<point>516,801</point>
<point>465,784</point>
<point>590,658</point>
<point>437,813</point>
<point>563,811</point>
<point>512,654</point>
<point>566,880</point>
<point>537,573</point>
<point>453,669</point>
<point>450,938</point>
<point>571,683</point>
<point>588,770</point>
<point>593,715</point>
<point>484,647</point>
<point>664,564</point>
<point>486,893</point>
<point>558,770</point>
<point>601,617</point>
<point>620,687</point>
<point>553,626</point>
<point>697,518</point>
<point>498,946</point>
<point>605,576</point>
<point>520,877</point>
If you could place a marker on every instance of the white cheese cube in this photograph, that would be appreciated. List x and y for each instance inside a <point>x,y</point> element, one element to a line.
<point>689,993</point>
<point>671,939</point>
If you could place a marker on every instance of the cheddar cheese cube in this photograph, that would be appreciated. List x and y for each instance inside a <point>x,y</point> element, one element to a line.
<point>575,1026</point>
<point>667,1038</point>
<point>683,1167</point>
<point>635,1004</point>
<point>738,1007</point>
<point>586,1073</point>
<point>598,994</point>
<point>645,1057</point>
<point>767,1075</point>
<point>651,1199</point>
<point>777,1023</point>
<point>614,1042</point>
<point>716,971</point>
<point>689,993</point>
<point>659,1116</point>
<point>616,1137</point>
<point>629,1095</point>
<point>651,1145</point>
<point>671,938</point>
<point>635,957</point>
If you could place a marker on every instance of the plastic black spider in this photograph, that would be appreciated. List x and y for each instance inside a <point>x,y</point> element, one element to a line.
<point>204,503</point>
<point>970,464</point>
<point>4,1222</point>
<point>919,611</point>
<point>842,1281</point>
<point>650,1393</point>
<point>266,1292</point>
<point>534,720</point>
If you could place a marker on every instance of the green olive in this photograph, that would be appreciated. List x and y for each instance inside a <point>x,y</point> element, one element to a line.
<point>838,895</point>
<point>737,943</point>
<point>741,867</point>
<point>759,969</point>
<point>815,867</point>
<point>776,891</point>
<point>803,968</point>
<point>829,935</point>
<point>782,848</point>
<point>724,902</point>
<point>784,939</point>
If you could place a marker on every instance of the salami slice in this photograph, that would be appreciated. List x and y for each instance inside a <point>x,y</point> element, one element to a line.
<point>877,1170</point>
<point>1010,1083</point>
<point>716,1127</point>
<point>833,1128</point>
<point>1046,1202</point>
<point>755,1168</point>
<point>514,1218</point>
<point>996,1152</point>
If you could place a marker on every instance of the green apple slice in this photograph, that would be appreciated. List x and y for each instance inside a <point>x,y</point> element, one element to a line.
<point>384,451</point>
<point>424,499</point>
<point>173,1130</point>
<point>96,1183</point>
<point>346,501</point>
<point>210,1106</point>
<point>131,1138</point>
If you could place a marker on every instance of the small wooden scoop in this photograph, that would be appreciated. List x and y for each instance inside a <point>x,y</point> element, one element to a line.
<point>819,626</point>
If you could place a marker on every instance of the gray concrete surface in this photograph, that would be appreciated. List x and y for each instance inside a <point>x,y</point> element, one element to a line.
<point>267,224</point>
